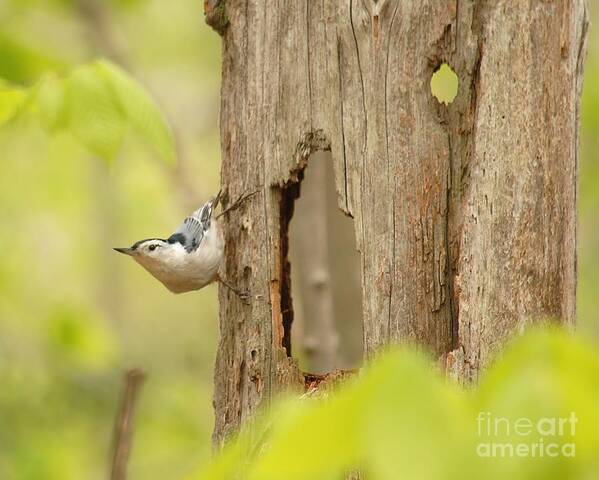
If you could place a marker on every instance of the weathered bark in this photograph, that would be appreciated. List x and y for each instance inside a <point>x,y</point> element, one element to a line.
<point>464,215</point>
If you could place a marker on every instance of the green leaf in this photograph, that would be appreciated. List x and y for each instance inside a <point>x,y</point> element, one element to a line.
<point>11,101</point>
<point>22,64</point>
<point>311,439</point>
<point>94,114</point>
<point>140,110</point>
<point>409,412</point>
<point>97,103</point>
<point>400,420</point>
<point>50,102</point>
<point>546,376</point>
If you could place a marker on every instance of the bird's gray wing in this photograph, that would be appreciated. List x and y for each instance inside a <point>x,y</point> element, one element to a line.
<point>191,232</point>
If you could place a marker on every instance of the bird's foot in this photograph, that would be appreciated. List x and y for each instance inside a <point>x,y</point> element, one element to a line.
<point>243,295</point>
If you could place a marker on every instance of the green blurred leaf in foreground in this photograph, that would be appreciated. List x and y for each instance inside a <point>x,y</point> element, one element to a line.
<point>399,420</point>
<point>139,109</point>
<point>98,103</point>
<point>12,99</point>
<point>94,111</point>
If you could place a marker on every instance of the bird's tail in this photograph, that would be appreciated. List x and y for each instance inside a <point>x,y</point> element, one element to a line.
<point>210,206</point>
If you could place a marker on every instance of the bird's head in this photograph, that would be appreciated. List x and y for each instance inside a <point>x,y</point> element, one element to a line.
<point>147,251</point>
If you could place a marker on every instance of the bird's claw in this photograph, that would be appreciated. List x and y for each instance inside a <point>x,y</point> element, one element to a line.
<point>244,296</point>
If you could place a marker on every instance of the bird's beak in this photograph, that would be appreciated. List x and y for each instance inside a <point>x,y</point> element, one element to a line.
<point>126,251</point>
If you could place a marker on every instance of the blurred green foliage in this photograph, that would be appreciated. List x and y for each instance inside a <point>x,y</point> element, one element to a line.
<point>20,63</point>
<point>444,84</point>
<point>588,233</point>
<point>401,420</point>
<point>97,102</point>
<point>74,317</point>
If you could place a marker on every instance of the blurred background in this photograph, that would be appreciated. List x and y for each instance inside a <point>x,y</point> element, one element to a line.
<point>74,315</point>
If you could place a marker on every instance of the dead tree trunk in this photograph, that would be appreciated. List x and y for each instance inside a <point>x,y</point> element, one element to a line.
<point>465,215</point>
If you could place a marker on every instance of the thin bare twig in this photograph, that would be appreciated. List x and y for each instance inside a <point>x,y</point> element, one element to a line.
<point>123,431</point>
<point>237,203</point>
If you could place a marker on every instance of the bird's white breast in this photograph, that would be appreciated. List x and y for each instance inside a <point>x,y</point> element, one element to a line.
<point>181,271</point>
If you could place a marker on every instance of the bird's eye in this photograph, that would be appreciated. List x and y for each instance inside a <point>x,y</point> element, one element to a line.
<point>152,247</point>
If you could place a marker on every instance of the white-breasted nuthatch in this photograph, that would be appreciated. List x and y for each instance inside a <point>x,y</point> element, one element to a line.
<point>190,258</point>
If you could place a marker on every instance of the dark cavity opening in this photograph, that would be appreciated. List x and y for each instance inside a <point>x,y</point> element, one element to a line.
<point>444,84</point>
<point>289,193</point>
<point>325,278</point>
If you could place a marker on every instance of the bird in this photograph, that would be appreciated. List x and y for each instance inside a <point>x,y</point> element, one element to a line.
<point>190,258</point>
